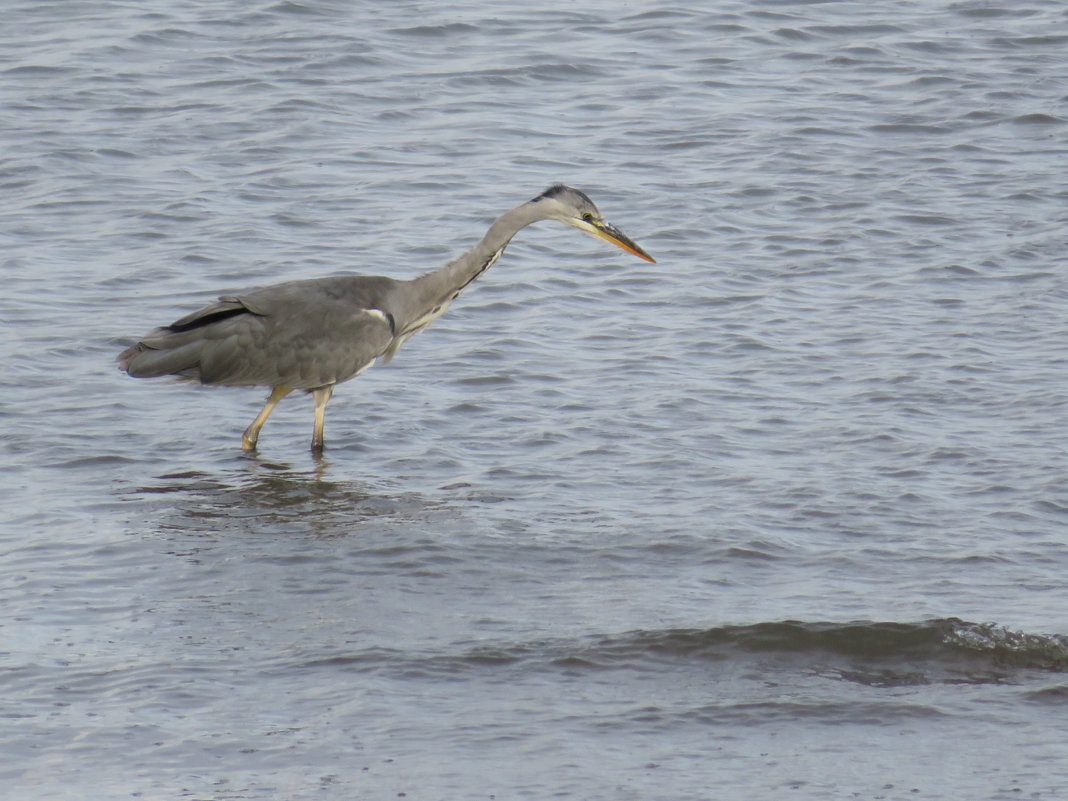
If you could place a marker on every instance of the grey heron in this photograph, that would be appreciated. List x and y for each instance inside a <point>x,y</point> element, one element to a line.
<point>316,333</point>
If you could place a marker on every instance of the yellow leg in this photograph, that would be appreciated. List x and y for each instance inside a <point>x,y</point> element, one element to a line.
<point>252,433</point>
<point>321,397</point>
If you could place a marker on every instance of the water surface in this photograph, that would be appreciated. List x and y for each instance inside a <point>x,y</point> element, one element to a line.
<point>782,515</point>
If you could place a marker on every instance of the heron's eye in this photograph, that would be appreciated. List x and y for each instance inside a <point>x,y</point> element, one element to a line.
<point>587,217</point>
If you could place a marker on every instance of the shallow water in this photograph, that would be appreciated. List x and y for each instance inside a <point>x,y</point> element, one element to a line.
<point>782,515</point>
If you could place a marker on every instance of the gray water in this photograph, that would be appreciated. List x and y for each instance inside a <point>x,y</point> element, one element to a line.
<point>784,515</point>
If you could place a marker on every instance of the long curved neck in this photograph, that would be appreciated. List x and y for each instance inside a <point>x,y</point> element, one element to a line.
<point>432,292</point>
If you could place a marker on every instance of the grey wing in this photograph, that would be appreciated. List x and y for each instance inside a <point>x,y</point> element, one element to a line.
<point>302,350</point>
<point>288,335</point>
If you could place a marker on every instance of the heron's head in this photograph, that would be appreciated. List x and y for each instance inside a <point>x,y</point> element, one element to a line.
<point>572,207</point>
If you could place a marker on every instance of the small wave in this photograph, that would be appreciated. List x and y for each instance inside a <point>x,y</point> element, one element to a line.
<point>38,70</point>
<point>297,9</point>
<point>435,31</point>
<point>860,29</point>
<point>1048,40</point>
<point>861,640</point>
<point>948,651</point>
<point>924,129</point>
<point>947,643</point>
<point>1038,119</point>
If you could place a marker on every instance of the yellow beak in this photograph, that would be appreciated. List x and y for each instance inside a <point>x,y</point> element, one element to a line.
<point>609,233</point>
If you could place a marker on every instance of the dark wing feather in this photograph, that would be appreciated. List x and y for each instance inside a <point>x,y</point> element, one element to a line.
<point>227,306</point>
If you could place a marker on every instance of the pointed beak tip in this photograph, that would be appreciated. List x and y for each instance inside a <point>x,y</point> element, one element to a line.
<point>631,247</point>
<point>610,233</point>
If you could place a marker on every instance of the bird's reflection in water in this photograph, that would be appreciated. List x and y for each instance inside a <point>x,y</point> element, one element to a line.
<point>266,497</point>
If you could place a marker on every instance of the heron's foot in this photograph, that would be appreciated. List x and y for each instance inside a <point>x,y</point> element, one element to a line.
<point>248,444</point>
<point>317,447</point>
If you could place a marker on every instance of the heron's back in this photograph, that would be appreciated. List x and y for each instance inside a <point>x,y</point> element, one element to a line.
<point>300,334</point>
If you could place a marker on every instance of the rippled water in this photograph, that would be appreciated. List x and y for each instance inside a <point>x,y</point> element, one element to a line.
<point>782,516</point>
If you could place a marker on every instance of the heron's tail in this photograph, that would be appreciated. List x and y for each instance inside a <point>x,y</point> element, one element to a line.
<point>163,352</point>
